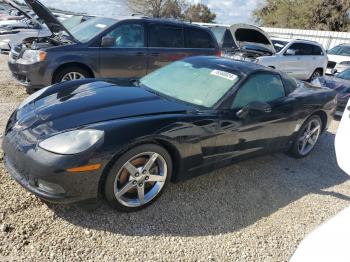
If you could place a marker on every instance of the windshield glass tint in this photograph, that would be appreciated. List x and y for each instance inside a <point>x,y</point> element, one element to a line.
<point>84,32</point>
<point>191,83</point>
<point>344,75</point>
<point>279,45</point>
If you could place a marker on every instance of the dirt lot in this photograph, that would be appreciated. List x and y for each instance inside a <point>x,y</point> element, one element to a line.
<point>258,210</point>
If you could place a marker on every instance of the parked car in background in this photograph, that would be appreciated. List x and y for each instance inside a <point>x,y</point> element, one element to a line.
<point>302,59</point>
<point>37,28</point>
<point>242,41</point>
<point>87,138</point>
<point>339,59</point>
<point>341,84</point>
<point>104,47</point>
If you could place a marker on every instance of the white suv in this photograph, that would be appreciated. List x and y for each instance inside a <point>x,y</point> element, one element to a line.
<point>302,59</point>
<point>339,59</point>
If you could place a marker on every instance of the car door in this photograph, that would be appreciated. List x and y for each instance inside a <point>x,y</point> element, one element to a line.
<point>127,56</point>
<point>165,45</point>
<point>259,131</point>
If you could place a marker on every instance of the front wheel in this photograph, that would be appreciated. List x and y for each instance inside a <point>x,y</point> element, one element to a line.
<point>316,74</point>
<point>138,178</point>
<point>71,73</point>
<point>307,137</point>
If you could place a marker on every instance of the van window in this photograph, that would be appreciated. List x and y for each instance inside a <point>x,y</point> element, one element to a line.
<point>198,38</point>
<point>166,36</point>
<point>128,35</point>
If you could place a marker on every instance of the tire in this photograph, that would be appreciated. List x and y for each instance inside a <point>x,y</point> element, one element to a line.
<point>123,186</point>
<point>296,149</point>
<point>63,74</point>
<point>316,74</point>
<point>31,90</point>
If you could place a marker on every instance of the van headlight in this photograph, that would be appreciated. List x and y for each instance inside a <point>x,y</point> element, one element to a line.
<point>31,57</point>
<point>72,142</point>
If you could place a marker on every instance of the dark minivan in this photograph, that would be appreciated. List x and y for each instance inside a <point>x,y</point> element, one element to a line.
<point>105,47</point>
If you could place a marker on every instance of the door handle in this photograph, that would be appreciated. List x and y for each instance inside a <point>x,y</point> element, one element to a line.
<point>140,53</point>
<point>155,54</point>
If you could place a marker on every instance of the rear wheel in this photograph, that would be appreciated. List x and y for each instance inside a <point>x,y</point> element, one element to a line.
<point>71,73</point>
<point>307,137</point>
<point>316,74</point>
<point>138,178</point>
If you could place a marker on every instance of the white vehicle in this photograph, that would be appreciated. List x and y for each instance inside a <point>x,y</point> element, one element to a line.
<point>330,242</point>
<point>302,59</point>
<point>339,59</point>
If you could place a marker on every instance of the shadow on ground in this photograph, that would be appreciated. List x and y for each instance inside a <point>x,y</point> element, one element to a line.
<point>223,201</point>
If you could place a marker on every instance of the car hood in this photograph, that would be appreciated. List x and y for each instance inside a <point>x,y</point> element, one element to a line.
<point>48,17</point>
<point>249,35</point>
<point>67,106</point>
<point>334,82</point>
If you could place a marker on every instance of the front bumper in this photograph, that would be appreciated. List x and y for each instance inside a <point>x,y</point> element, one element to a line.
<point>44,174</point>
<point>33,76</point>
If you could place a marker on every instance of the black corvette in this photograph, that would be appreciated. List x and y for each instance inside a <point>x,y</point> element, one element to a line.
<point>92,138</point>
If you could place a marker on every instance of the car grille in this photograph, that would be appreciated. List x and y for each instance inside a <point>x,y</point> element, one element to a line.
<point>331,64</point>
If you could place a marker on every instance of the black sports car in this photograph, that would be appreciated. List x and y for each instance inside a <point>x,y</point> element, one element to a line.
<point>339,83</point>
<point>88,138</point>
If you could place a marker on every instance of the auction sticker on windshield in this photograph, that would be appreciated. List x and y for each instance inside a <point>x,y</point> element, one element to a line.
<point>224,74</point>
<point>100,25</point>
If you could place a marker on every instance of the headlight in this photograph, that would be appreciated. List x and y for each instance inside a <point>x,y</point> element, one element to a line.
<point>346,63</point>
<point>32,57</point>
<point>72,142</point>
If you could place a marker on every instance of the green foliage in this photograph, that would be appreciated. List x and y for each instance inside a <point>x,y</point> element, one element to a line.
<point>200,13</point>
<point>305,14</point>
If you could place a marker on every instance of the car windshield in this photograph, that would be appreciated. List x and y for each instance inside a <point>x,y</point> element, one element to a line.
<point>84,32</point>
<point>344,75</point>
<point>279,44</point>
<point>218,32</point>
<point>342,50</point>
<point>192,83</point>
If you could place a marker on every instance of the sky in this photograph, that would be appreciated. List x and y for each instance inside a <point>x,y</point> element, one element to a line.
<point>228,11</point>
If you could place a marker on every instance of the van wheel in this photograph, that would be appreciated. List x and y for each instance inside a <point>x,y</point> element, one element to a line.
<point>70,74</point>
<point>316,74</point>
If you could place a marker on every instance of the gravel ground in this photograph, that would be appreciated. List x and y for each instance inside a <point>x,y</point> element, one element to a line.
<point>258,210</point>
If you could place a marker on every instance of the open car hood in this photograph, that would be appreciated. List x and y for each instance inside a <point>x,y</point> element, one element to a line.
<point>248,37</point>
<point>23,12</point>
<point>48,17</point>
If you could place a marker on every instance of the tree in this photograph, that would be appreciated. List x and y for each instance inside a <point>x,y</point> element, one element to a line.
<point>305,14</point>
<point>158,8</point>
<point>199,13</point>
<point>172,9</point>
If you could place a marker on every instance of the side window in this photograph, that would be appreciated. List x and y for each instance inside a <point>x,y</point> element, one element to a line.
<point>165,36</point>
<point>345,51</point>
<point>316,50</point>
<point>259,88</point>
<point>198,38</point>
<point>301,49</point>
<point>128,35</point>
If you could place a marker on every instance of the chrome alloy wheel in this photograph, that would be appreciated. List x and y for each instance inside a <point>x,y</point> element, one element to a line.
<point>309,137</point>
<point>140,179</point>
<point>72,76</point>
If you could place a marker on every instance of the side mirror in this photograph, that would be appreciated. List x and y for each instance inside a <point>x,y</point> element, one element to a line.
<point>108,41</point>
<point>259,107</point>
<point>290,52</point>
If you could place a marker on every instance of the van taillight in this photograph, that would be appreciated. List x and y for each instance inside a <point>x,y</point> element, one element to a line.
<point>218,53</point>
